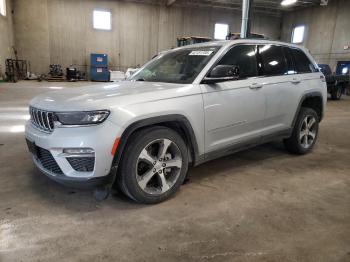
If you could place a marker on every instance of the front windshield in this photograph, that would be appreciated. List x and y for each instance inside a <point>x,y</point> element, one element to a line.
<point>178,66</point>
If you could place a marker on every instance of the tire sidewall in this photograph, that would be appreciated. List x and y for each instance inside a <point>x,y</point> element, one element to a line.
<point>140,141</point>
<point>339,93</point>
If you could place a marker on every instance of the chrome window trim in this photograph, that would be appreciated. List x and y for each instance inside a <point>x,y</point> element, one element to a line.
<point>228,48</point>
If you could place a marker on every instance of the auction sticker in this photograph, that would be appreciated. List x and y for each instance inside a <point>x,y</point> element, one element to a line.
<point>202,53</point>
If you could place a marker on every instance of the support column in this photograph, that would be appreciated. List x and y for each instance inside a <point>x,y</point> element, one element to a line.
<point>246,15</point>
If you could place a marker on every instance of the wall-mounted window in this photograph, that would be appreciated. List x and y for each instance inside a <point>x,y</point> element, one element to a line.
<point>298,34</point>
<point>3,7</point>
<point>221,31</point>
<point>101,20</point>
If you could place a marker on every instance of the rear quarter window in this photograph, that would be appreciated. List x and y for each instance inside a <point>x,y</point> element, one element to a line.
<point>302,62</point>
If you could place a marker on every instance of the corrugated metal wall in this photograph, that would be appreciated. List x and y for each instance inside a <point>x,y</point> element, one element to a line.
<point>327,30</point>
<point>139,31</point>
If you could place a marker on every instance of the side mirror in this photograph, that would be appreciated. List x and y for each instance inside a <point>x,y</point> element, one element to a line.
<point>221,73</point>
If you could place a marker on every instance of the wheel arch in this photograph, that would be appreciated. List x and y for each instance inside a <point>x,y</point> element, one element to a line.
<point>176,122</point>
<point>312,100</point>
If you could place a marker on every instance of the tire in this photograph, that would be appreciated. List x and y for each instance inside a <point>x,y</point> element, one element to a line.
<point>303,139</point>
<point>147,174</point>
<point>336,94</point>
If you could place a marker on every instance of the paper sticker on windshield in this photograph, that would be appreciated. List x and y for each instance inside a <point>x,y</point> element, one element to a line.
<point>203,53</point>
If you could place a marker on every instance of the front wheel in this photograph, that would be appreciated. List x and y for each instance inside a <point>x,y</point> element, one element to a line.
<point>153,166</point>
<point>304,133</point>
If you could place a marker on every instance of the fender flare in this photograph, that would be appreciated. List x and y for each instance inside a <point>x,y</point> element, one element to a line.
<point>173,118</point>
<point>303,98</point>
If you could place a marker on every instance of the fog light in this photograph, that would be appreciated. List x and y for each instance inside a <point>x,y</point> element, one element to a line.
<point>78,151</point>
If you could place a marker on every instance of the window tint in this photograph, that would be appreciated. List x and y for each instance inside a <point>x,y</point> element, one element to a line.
<point>289,61</point>
<point>273,61</point>
<point>244,57</point>
<point>302,62</point>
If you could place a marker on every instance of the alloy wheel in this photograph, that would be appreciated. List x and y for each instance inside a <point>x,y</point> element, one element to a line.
<point>308,131</point>
<point>158,166</point>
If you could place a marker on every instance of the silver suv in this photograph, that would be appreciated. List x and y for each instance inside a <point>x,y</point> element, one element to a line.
<point>184,107</point>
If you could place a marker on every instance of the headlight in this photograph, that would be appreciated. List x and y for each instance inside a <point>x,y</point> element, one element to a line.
<point>82,118</point>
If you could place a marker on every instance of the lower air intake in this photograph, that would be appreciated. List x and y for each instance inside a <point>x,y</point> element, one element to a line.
<point>82,164</point>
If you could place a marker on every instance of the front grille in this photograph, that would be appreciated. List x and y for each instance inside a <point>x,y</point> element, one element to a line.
<point>82,164</point>
<point>47,161</point>
<point>42,119</point>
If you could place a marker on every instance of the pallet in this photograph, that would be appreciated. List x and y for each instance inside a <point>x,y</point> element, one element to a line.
<point>56,79</point>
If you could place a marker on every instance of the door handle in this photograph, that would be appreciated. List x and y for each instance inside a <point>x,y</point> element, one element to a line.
<point>295,81</point>
<point>255,86</point>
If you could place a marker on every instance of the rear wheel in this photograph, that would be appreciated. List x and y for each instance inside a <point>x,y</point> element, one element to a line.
<point>305,132</point>
<point>336,94</point>
<point>153,166</point>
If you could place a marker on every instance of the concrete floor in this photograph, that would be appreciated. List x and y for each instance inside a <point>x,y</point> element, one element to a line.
<point>259,205</point>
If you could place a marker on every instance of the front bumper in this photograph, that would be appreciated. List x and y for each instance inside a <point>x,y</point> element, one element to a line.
<point>100,138</point>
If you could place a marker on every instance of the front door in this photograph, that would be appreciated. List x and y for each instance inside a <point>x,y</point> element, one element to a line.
<point>234,110</point>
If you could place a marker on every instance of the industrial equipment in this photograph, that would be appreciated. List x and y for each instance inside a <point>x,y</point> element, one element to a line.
<point>337,82</point>
<point>55,73</point>
<point>234,36</point>
<point>190,40</point>
<point>55,70</point>
<point>15,69</point>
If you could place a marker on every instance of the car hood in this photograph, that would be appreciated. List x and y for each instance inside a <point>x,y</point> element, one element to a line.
<point>107,95</point>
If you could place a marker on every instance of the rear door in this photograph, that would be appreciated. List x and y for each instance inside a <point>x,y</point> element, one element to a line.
<point>234,110</point>
<point>305,69</point>
<point>307,73</point>
<point>280,83</point>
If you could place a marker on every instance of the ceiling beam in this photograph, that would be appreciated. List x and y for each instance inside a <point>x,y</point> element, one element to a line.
<point>170,2</point>
<point>268,7</point>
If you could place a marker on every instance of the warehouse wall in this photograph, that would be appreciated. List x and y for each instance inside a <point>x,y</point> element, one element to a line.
<point>6,37</point>
<point>60,31</point>
<point>327,30</point>
<point>30,20</point>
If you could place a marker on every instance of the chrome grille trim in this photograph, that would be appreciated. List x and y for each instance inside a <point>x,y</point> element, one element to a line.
<point>42,119</point>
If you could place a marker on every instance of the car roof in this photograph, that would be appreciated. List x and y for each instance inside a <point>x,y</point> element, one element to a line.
<point>239,41</point>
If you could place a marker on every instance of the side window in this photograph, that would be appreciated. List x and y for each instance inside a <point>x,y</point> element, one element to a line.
<point>273,62</point>
<point>302,62</point>
<point>244,57</point>
<point>289,60</point>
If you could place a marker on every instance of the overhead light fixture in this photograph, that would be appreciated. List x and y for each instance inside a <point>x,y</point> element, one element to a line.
<point>324,2</point>
<point>288,2</point>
